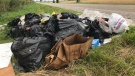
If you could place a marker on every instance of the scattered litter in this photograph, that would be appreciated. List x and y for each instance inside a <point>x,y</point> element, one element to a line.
<point>95,43</point>
<point>2,27</point>
<point>53,13</point>
<point>107,40</point>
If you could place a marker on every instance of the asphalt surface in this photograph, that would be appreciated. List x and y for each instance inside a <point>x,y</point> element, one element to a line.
<point>127,11</point>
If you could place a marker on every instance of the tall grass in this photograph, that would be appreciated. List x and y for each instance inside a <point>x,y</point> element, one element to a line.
<point>130,36</point>
<point>8,5</point>
<point>114,59</point>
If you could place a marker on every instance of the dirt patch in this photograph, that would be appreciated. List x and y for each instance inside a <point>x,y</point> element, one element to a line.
<point>47,73</point>
<point>110,1</point>
<point>125,52</point>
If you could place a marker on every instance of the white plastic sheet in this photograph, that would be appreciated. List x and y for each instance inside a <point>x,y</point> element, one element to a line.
<point>93,14</point>
<point>5,54</point>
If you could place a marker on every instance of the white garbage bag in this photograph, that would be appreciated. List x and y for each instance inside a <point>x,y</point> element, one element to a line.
<point>118,23</point>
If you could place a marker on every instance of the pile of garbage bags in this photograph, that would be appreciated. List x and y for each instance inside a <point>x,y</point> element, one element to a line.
<point>36,36</point>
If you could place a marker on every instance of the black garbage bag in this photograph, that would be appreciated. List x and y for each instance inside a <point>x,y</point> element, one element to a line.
<point>15,32</point>
<point>34,31</point>
<point>32,18</point>
<point>31,51</point>
<point>15,28</point>
<point>94,29</point>
<point>66,15</point>
<point>14,22</point>
<point>32,26</point>
<point>69,27</point>
<point>51,26</point>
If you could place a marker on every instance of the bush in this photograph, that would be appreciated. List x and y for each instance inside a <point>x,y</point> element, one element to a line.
<point>8,5</point>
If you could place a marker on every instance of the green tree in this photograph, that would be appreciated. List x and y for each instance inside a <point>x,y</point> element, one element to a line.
<point>57,1</point>
<point>77,1</point>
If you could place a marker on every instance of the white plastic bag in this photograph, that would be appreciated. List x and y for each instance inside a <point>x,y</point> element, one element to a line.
<point>117,23</point>
<point>91,14</point>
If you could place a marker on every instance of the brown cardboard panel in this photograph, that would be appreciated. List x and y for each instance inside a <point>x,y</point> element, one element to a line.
<point>8,71</point>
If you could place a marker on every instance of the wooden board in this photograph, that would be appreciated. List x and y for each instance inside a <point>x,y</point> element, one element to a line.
<point>8,71</point>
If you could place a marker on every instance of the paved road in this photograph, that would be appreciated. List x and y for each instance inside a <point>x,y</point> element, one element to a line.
<point>128,11</point>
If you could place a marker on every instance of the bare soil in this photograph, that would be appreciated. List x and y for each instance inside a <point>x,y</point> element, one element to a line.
<point>111,1</point>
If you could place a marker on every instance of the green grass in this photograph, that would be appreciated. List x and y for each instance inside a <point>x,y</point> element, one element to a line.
<point>130,36</point>
<point>3,38</point>
<point>114,59</point>
<point>31,8</point>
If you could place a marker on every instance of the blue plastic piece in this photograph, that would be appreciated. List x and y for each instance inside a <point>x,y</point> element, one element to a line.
<point>46,15</point>
<point>95,43</point>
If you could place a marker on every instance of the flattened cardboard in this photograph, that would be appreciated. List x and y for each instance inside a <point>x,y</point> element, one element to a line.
<point>8,71</point>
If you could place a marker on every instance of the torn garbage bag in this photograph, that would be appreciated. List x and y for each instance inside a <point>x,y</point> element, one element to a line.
<point>69,27</point>
<point>65,51</point>
<point>30,51</point>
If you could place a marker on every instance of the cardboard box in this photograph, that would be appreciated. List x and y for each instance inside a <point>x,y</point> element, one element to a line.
<point>8,71</point>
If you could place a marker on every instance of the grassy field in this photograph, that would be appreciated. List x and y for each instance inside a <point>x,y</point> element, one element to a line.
<point>114,59</point>
<point>109,1</point>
